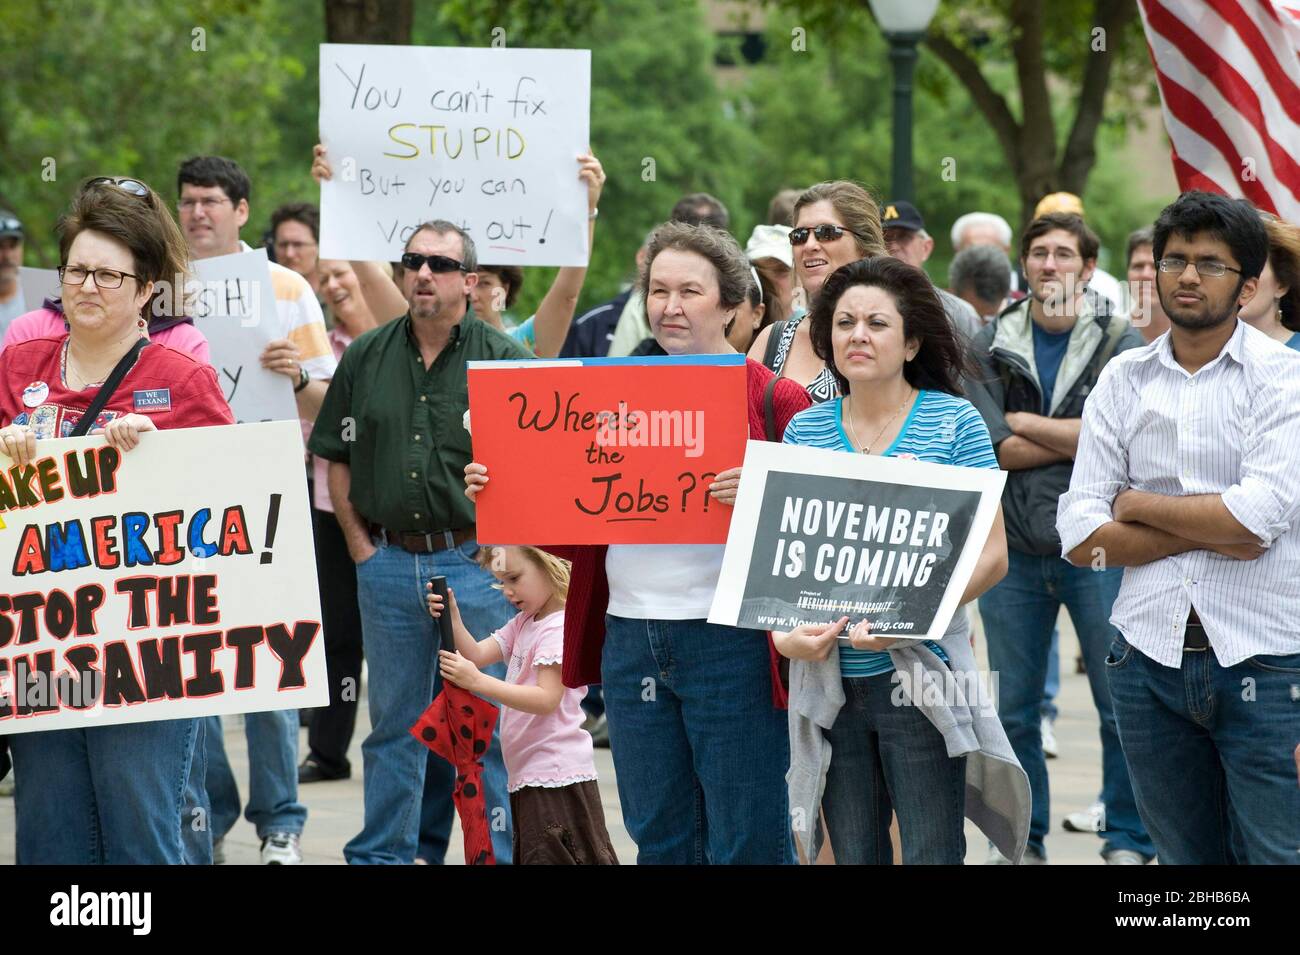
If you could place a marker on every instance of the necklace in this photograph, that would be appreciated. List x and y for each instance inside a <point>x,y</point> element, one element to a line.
<point>892,418</point>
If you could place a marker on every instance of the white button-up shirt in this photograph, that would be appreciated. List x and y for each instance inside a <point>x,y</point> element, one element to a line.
<point>1233,429</point>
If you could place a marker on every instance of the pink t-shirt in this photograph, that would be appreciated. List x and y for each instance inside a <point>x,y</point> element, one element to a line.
<point>553,750</point>
<point>47,323</point>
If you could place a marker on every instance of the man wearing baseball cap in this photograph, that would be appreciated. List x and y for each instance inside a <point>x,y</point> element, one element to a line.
<point>11,259</point>
<point>907,241</point>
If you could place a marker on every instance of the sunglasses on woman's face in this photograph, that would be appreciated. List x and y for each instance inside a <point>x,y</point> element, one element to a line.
<point>437,263</point>
<point>134,186</point>
<point>824,233</point>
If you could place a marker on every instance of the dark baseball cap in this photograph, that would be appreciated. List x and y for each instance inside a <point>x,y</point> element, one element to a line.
<point>10,227</point>
<point>900,214</point>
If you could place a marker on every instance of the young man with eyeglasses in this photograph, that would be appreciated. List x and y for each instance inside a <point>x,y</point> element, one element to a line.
<point>213,206</point>
<point>394,419</point>
<point>1186,478</point>
<point>11,260</point>
<point>1038,361</point>
<point>295,238</point>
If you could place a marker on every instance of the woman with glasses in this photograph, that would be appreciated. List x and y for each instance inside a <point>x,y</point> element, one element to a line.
<point>835,223</point>
<point>858,749</point>
<point>110,793</point>
<point>701,763</point>
<point>171,328</point>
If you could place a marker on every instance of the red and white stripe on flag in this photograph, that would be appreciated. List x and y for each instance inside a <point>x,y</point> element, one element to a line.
<point>1229,78</point>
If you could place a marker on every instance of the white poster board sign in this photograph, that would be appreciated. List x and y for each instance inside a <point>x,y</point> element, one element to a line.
<point>171,581</point>
<point>234,307</point>
<point>818,535</point>
<point>485,138</point>
<point>38,285</point>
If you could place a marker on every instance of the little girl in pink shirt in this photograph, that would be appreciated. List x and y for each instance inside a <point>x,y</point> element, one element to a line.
<point>554,798</point>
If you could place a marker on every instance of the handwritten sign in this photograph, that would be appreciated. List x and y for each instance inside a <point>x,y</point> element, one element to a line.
<point>234,307</point>
<point>485,138</point>
<point>170,581</point>
<point>606,450</point>
<point>819,534</point>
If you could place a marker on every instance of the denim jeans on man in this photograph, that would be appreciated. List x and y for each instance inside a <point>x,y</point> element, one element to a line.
<point>890,759</point>
<point>700,753</point>
<point>401,643</point>
<point>103,795</point>
<point>1212,753</point>
<point>273,804</point>
<point>1019,614</point>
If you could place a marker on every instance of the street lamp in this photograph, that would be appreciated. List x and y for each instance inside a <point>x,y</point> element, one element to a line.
<point>904,23</point>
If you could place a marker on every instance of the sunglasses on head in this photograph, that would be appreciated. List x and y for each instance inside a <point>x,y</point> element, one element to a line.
<point>824,233</point>
<point>437,263</point>
<point>134,186</point>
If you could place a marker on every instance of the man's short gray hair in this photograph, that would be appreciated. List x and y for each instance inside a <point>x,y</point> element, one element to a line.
<point>983,269</point>
<point>981,218</point>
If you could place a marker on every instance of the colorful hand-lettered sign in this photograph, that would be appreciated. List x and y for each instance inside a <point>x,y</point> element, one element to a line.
<point>606,450</point>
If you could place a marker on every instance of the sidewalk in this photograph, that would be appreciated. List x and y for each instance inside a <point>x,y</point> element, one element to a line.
<point>335,807</point>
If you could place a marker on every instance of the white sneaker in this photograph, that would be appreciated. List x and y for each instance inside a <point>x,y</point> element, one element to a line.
<point>1049,739</point>
<point>1124,857</point>
<point>996,857</point>
<point>281,848</point>
<point>1092,819</point>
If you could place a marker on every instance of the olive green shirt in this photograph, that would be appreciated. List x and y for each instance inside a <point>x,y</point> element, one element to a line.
<point>401,427</point>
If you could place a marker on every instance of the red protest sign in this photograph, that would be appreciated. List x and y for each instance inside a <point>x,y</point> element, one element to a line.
<point>606,450</point>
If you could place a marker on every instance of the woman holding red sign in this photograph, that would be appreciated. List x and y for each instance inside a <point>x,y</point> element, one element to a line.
<point>104,794</point>
<point>700,747</point>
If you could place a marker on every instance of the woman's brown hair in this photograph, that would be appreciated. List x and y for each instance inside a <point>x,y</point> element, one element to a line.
<point>718,247</point>
<point>942,359</point>
<point>146,227</point>
<point>1284,257</point>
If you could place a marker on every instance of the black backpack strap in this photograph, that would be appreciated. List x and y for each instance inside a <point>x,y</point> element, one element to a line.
<point>124,365</point>
<point>773,342</point>
<point>769,410</point>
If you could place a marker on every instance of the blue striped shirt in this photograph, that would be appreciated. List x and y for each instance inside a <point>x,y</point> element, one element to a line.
<point>941,429</point>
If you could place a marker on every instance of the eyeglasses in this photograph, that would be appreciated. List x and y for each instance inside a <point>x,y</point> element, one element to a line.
<point>74,276</point>
<point>210,202</point>
<point>10,225</point>
<point>825,233</point>
<point>1063,256</point>
<point>293,246</point>
<point>133,186</point>
<point>437,263</point>
<point>1176,265</point>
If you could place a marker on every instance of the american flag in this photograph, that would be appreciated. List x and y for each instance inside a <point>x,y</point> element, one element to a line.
<point>1229,78</point>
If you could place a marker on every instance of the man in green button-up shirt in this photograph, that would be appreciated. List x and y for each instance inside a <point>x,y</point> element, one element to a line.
<point>392,428</point>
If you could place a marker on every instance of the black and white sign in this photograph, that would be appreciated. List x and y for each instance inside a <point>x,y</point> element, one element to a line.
<point>818,535</point>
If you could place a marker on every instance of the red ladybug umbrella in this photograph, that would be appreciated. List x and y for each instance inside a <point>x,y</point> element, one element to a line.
<point>458,727</point>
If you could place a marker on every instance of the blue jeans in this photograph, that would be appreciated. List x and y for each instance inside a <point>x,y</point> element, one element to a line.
<point>886,759</point>
<point>273,804</point>
<point>1211,751</point>
<point>1019,616</point>
<point>110,795</point>
<point>1053,684</point>
<point>401,646</point>
<point>699,751</point>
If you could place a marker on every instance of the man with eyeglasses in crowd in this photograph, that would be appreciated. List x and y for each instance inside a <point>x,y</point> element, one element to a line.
<point>1038,361</point>
<point>907,241</point>
<point>213,206</point>
<point>11,260</point>
<point>295,239</point>
<point>394,419</point>
<point>1186,476</point>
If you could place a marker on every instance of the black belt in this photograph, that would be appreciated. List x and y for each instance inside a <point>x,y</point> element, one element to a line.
<point>1194,637</point>
<point>418,542</point>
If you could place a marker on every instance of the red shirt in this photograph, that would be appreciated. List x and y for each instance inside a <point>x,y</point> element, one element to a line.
<point>168,386</point>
